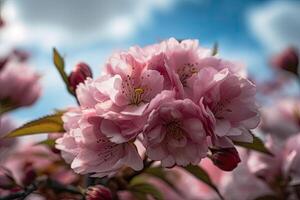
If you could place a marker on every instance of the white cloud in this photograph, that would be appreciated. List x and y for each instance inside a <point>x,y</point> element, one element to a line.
<point>276,24</point>
<point>70,21</point>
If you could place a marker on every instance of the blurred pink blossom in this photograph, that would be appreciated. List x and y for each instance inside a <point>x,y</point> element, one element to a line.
<point>25,88</point>
<point>282,119</point>
<point>41,160</point>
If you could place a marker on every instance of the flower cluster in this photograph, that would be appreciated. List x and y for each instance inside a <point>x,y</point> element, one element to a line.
<point>175,97</point>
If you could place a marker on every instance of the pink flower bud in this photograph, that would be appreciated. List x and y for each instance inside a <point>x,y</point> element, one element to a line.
<point>287,60</point>
<point>6,179</point>
<point>226,159</point>
<point>79,74</point>
<point>98,192</point>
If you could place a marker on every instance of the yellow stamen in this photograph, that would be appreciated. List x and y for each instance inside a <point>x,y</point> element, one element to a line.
<point>137,96</point>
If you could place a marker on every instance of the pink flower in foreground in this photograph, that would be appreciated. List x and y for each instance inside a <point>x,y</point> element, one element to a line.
<point>89,151</point>
<point>24,90</point>
<point>185,59</point>
<point>174,96</point>
<point>131,86</point>
<point>174,134</point>
<point>231,100</point>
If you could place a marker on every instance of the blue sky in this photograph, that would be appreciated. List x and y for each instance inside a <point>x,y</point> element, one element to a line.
<point>248,31</point>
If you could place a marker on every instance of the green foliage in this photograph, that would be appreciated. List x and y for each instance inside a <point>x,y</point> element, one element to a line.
<point>202,175</point>
<point>60,66</point>
<point>48,124</point>
<point>256,145</point>
<point>142,190</point>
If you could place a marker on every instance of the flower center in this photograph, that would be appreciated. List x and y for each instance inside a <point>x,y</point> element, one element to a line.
<point>174,130</point>
<point>220,108</point>
<point>185,72</point>
<point>137,96</point>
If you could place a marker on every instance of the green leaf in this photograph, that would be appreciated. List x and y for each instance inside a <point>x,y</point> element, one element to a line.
<point>60,66</point>
<point>202,175</point>
<point>160,173</point>
<point>256,145</point>
<point>47,124</point>
<point>215,49</point>
<point>141,190</point>
<point>4,109</point>
<point>6,106</point>
<point>49,142</point>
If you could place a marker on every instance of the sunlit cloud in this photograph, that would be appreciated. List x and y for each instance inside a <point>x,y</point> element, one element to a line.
<point>276,24</point>
<point>71,22</point>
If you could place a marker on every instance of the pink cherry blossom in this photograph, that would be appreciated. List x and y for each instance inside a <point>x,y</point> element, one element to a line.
<point>231,100</point>
<point>174,134</point>
<point>174,96</point>
<point>131,86</point>
<point>155,58</point>
<point>122,96</point>
<point>184,60</point>
<point>24,90</point>
<point>89,151</point>
<point>88,95</point>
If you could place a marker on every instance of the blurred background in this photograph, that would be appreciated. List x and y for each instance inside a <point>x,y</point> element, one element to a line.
<point>249,31</point>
